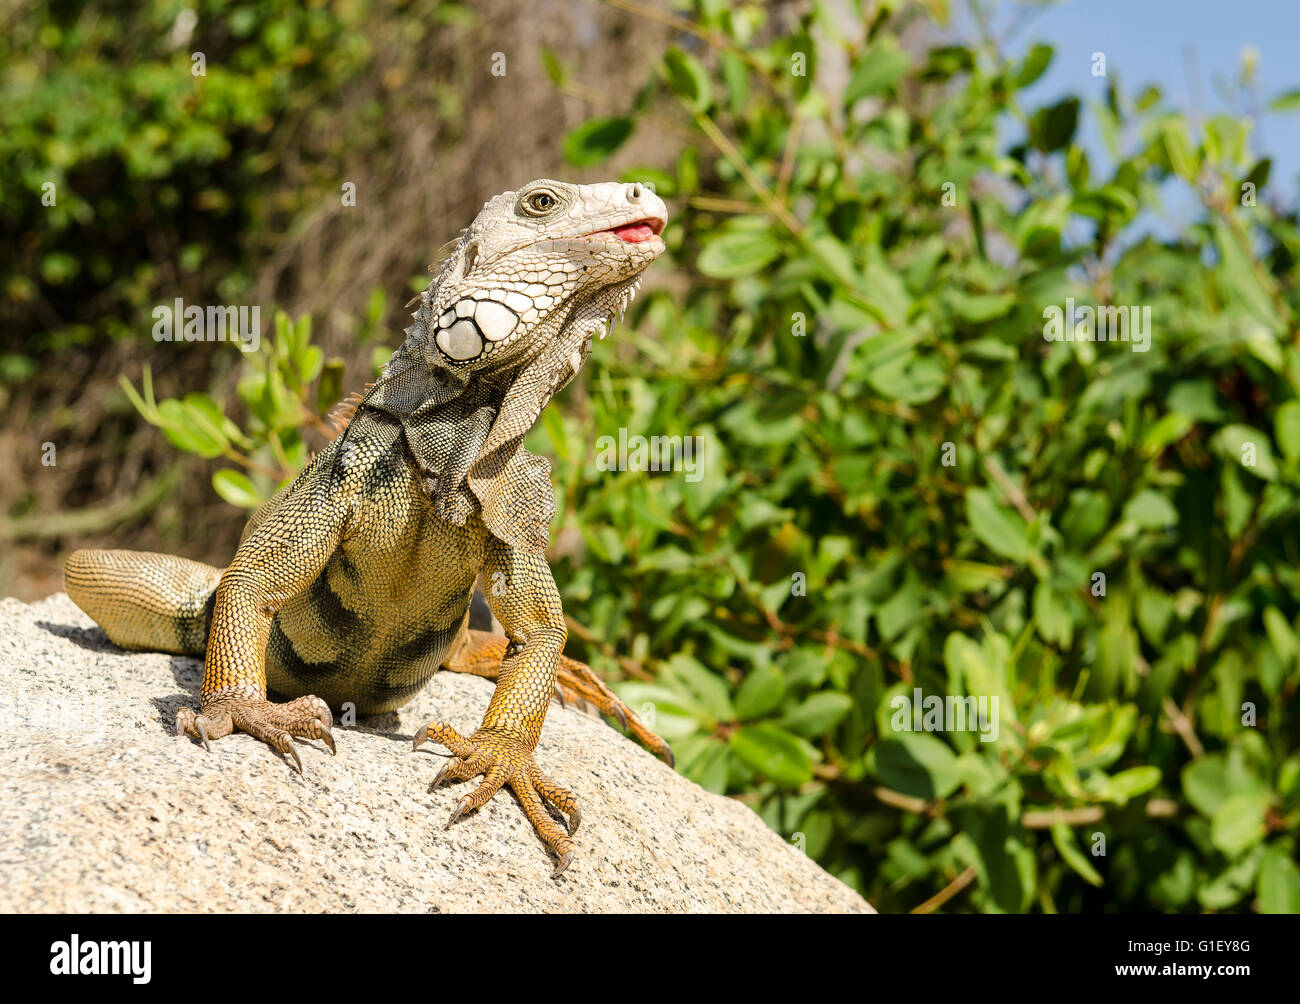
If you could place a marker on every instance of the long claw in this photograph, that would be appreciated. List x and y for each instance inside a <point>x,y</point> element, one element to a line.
<point>562,864</point>
<point>575,817</point>
<point>203,732</point>
<point>622,718</point>
<point>457,812</point>
<point>437,781</point>
<point>668,756</point>
<point>421,736</point>
<point>328,740</point>
<point>294,753</point>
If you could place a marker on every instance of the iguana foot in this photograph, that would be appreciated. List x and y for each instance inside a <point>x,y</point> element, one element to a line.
<point>275,724</point>
<point>482,655</point>
<point>504,760</point>
<point>575,680</point>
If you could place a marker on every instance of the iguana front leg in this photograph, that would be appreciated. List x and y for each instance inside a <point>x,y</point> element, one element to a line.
<point>502,748</point>
<point>275,562</point>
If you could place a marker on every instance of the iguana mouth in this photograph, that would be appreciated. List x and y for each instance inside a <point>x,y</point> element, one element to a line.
<point>635,232</point>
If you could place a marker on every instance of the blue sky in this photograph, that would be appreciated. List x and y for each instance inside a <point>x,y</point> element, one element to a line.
<point>1183,46</point>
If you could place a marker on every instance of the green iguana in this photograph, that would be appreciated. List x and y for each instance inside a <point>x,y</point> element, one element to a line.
<point>353,583</point>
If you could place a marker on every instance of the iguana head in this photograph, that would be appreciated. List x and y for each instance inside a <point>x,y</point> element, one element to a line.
<point>537,261</point>
<point>506,323</point>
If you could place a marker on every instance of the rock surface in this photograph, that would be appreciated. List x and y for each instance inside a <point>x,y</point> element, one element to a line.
<point>103,809</point>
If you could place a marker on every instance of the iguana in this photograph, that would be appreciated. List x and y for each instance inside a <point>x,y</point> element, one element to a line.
<point>354,582</point>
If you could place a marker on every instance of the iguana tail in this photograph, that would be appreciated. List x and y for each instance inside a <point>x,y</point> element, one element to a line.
<point>143,600</point>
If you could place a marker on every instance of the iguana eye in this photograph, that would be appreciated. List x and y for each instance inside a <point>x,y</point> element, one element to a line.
<point>538,203</point>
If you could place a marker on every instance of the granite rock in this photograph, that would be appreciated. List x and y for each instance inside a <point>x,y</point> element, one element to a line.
<point>105,810</point>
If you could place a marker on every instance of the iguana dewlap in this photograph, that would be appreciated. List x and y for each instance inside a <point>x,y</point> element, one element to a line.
<point>353,583</point>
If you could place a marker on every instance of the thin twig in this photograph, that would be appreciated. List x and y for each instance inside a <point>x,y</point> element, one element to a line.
<point>629,666</point>
<point>1009,487</point>
<point>787,158</point>
<point>947,892</point>
<point>1183,726</point>
<point>724,145</point>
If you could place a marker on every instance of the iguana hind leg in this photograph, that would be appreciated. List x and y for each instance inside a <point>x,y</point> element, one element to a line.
<point>162,603</point>
<point>481,654</point>
<point>142,600</point>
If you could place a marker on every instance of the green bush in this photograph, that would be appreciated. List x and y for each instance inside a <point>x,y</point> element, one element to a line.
<point>905,486</point>
<point>861,344</point>
<point>146,161</point>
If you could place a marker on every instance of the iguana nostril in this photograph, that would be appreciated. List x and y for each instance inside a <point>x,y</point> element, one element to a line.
<point>635,193</point>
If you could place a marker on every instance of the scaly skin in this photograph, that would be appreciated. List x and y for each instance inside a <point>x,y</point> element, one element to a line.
<point>354,582</point>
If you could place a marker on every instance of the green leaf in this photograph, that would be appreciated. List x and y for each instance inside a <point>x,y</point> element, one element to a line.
<point>1241,281</point>
<point>310,360</point>
<point>594,141</point>
<point>1205,783</point>
<point>736,254</point>
<point>688,79</point>
<point>1053,127</point>
<point>878,69</point>
<point>283,335</point>
<point>1051,617</point>
<point>1278,886</point>
<point>1282,637</point>
<point>1229,886</point>
<point>917,764</point>
<point>761,692</point>
<point>379,357</point>
<point>329,391</point>
<point>1035,65</point>
<point>553,66</point>
<point>709,689</point>
<point>1129,784</point>
<point>1238,823</point>
<point>661,183</point>
<point>669,713</point>
<point>1063,838</point>
<point>301,337</point>
<point>1288,102</point>
<point>552,421</point>
<point>996,527</point>
<point>1238,502</point>
<point>1247,447</point>
<point>773,753</point>
<point>1006,863</point>
<point>1286,427</point>
<point>817,714</point>
<point>190,428</point>
<point>980,307</point>
<point>235,487</point>
<point>708,766</point>
<point>1173,132</point>
<point>1150,510</point>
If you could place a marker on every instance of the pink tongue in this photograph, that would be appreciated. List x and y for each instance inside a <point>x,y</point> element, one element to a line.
<point>634,233</point>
